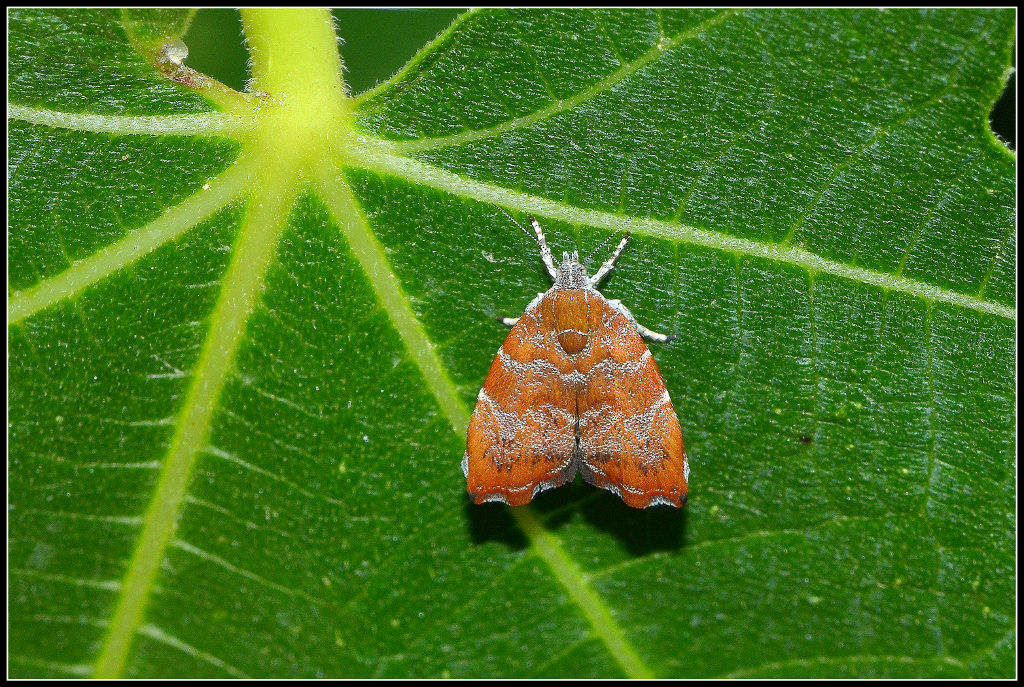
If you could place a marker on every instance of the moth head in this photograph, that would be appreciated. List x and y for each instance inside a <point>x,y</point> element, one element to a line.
<point>571,272</point>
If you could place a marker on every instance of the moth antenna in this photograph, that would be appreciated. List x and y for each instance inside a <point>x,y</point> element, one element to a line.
<point>595,251</point>
<point>628,219</point>
<point>538,236</point>
<point>525,230</point>
<point>545,251</point>
<point>610,262</point>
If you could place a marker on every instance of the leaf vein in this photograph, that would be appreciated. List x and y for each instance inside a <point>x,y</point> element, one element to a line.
<point>374,262</point>
<point>173,223</point>
<point>182,545</point>
<point>203,124</point>
<point>819,662</point>
<point>376,156</point>
<point>560,105</point>
<point>882,131</point>
<point>156,634</point>
<point>752,536</point>
<point>242,286</point>
<point>224,455</point>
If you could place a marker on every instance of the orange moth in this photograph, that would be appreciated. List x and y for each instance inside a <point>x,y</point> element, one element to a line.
<point>574,387</point>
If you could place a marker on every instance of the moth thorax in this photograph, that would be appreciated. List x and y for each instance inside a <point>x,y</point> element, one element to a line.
<point>571,274</point>
<point>571,309</point>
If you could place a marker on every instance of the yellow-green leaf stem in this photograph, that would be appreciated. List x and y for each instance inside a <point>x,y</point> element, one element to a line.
<point>295,60</point>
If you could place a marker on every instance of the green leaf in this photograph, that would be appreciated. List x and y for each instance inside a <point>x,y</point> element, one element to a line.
<point>247,331</point>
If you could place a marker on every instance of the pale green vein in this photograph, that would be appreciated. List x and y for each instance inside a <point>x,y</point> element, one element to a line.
<point>565,104</point>
<point>580,591</point>
<point>1011,228</point>
<point>370,254</point>
<point>820,665</point>
<point>76,669</point>
<point>241,288</point>
<point>169,226</point>
<point>104,585</point>
<point>402,75</point>
<point>202,124</point>
<point>1008,638</point>
<point>249,575</point>
<point>372,259</point>
<point>755,536</point>
<point>933,210</point>
<point>224,455</point>
<point>156,634</point>
<point>881,132</point>
<point>929,487</point>
<point>553,658</point>
<point>130,520</point>
<point>378,157</point>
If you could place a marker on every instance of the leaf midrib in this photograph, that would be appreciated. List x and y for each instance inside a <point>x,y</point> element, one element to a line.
<point>240,291</point>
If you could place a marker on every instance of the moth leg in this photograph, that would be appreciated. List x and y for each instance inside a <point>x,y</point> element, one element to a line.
<point>609,263</point>
<point>652,335</point>
<point>648,334</point>
<point>511,321</point>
